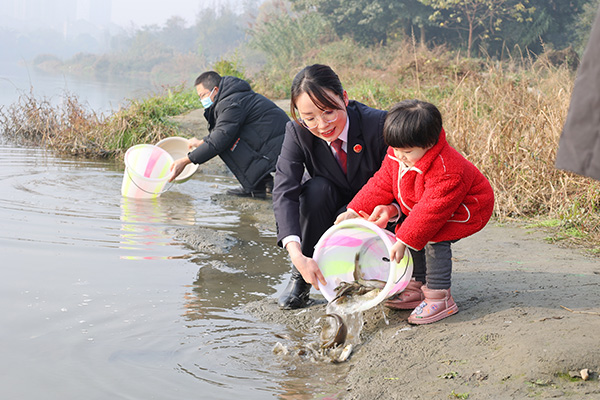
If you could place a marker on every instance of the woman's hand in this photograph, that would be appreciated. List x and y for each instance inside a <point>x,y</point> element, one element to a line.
<point>193,143</point>
<point>397,251</point>
<point>305,265</point>
<point>178,166</point>
<point>348,214</point>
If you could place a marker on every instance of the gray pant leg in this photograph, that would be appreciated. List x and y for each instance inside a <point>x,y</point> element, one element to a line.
<point>438,260</point>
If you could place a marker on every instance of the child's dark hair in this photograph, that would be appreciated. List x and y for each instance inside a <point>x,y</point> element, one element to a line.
<point>412,123</point>
<point>208,79</point>
<point>314,80</point>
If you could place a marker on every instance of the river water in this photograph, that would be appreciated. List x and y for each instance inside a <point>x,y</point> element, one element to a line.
<point>98,300</point>
<point>101,96</point>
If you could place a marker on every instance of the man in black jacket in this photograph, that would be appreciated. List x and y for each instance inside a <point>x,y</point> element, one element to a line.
<point>245,129</point>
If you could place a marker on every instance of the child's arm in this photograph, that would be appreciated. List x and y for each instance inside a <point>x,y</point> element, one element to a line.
<point>378,190</point>
<point>380,216</point>
<point>441,198</point>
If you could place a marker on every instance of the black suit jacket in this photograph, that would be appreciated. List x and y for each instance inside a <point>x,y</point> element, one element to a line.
<point>302,150</point>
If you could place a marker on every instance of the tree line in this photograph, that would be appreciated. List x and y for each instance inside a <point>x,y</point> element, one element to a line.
<point>286,30</point>
<point>476,26</point>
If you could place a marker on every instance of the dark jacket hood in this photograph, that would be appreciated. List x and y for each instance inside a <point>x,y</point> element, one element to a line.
<point>245,129</point>
<point>230,85</point>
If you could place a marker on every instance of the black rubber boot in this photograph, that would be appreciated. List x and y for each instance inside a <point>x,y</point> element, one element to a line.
<point>268,182</point>
<point>260,191</point>
<point>295,295</point>
<point>241,192</point>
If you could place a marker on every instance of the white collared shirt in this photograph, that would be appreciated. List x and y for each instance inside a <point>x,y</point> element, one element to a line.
<point>344,137</point>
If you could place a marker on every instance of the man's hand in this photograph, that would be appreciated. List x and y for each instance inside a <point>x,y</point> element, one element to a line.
<point>193,143</point>
<point>178,166</point>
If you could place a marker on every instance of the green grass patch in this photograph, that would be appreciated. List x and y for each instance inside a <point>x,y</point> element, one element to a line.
<point>454,395</point>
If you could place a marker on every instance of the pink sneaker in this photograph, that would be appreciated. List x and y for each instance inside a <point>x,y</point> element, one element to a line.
<point>438,304</point>
<point>409,298</point>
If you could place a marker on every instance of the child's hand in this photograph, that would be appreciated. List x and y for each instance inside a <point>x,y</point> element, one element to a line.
<point>349,214</point>
<point>397,251</point>
<point>381,215</point>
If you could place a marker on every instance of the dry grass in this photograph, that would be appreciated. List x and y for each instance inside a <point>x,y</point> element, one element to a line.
<point>504,117</point>
<point>71,128</point>
<point>37,122</point>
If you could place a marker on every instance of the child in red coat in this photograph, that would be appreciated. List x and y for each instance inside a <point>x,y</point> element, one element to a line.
<point>441,197</point>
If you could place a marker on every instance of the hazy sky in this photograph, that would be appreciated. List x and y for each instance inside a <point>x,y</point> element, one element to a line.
<point>145,12</point>
<point>21,14</point>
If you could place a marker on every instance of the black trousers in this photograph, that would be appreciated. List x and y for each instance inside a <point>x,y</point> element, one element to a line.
<point>320,204</point>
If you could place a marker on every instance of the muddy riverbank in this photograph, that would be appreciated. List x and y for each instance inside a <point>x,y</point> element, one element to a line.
<point>528,322</point>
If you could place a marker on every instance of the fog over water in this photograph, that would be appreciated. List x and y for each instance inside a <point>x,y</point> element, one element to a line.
<point>102,96</point>
<point>100,299</point>
<point>122,12</point>
<point>66,29</point>
<point>141,12</point>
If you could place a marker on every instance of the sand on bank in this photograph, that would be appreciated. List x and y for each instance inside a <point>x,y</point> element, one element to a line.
<point>529,316</point>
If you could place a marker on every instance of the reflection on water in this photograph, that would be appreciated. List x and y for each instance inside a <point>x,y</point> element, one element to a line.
<point>100,297</point>
<point>97,298</point>
<point>142,227</point>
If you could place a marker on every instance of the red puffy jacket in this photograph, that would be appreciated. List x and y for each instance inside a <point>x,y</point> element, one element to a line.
<point>444,196</point>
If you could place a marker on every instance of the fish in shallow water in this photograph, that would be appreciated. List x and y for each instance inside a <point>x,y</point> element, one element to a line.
<point>334,331</point>
<point>331,347</point>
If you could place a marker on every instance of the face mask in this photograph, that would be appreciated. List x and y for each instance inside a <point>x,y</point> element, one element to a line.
<point>207,101</point>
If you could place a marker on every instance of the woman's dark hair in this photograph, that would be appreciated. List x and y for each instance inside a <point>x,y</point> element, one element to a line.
<point>208,79</point>
<point>412,123</point>
<point>314,80</point>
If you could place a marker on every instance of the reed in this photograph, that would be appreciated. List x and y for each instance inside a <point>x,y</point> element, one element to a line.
<point>72,128</point>
<point>505,117</point>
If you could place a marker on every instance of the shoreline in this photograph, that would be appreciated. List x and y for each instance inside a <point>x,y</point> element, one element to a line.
<point>528,315</point>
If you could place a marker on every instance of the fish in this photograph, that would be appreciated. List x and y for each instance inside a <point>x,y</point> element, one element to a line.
<point>331,346</point>
<point>359,286</point>
<point>344,354</point>
<point>333,334</point>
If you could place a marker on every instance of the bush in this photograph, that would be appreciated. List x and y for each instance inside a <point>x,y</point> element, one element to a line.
<point>74,129</point>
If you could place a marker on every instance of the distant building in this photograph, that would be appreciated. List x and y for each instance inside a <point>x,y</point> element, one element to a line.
<point>97,12</point>
<point>59,27</point>
<point>24,15</point>
<point>35,14</point>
